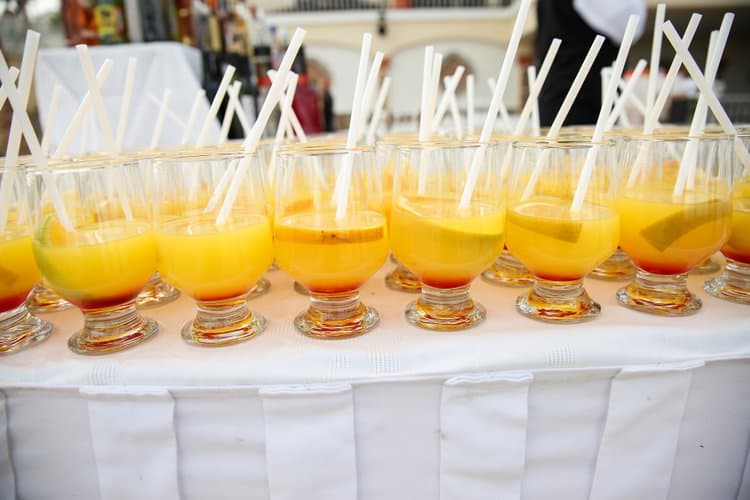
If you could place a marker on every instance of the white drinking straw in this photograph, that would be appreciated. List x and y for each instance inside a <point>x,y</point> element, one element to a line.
<point>437,64</point>
<point>497,97</point>
<point>215,104</point>
<point>200,95</point>
<point>127,97</point>
<point>293,120</point>
<point>229,112</point>
<point>601,122</point>
<point>96,96</point>
<point>86,131</point>
<point>25,77</point>
<point>686,173</point>
<point>450,91</point>
<point>369,92</point>
<point>535,123</point>
<point>534,91</point>
<point>159,125</point>
<point>286,107</point>
<point>54,108</point>
<point>666,87</point>
<point>617,112</point>
<point>81,112</point>
<point>455,115</point>
<point>650,121</point>
<point>275,93</point>
<point>470,105</point>
<point>707,91</point>
<point>341,190</point>
<point>20,114</point>
<point>378,113</point>
<point>653,72</point>
<point>432,89</point>
<point>713,59</point>
<point>240,111</point>
<point>562,114</point>
<point>250,145</point>
<point>504,116</point>
<point>575,88</point>
<point>3,96</point>
<point>424,119</point>
<point>169,114</point>
<point>688,163</point>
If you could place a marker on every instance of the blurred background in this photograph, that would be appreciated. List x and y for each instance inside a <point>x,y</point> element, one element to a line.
<point>252,35</point>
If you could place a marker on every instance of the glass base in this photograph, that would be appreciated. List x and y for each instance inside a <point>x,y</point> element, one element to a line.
<point>261,288</point>
<point>618,267</point>
<point>733,284</point>
<point>709,266</point>
<point>659,294</point>
<point>19,330</point>
<point>300,289</point>
<point>558,302</point>
<point>445,309</point>
<point>508,271</point>
<point>157,292</point>
<point>44,300</point>
<point>336,316</point>
<point>112,329</point>
<point>223,322</point>
<point>402,280</point>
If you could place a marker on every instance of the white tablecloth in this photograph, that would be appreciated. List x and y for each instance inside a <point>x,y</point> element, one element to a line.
<point>627,406</point>
<point>160,65</point>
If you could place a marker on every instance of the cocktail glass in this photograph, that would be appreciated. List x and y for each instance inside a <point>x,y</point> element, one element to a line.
<point>330,234</point>
<point>445,243</point>
<point>668,231</point>
<point>734,283</point>
<point>214,240</point>
<point>400,279</point>
<point>18,271</point>
<point>556,241</point>
<point>102,256</point>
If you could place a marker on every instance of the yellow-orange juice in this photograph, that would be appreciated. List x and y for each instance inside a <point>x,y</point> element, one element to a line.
<point>448,249</point>
<point>100,264</point>
<point>18,271</point>
<point>666,237</point>
<point>210,262</point>
<point>329,255</point>
<point>555,244</point>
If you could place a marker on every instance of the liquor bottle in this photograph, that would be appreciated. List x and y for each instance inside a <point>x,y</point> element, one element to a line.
<point>78,20</point>
<point>307,102</point>
<point>185,23</point>
<point>109,16</point>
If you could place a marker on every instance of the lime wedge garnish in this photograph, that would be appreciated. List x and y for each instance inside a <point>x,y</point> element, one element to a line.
<point>545,219</point>
<point>663,233</point>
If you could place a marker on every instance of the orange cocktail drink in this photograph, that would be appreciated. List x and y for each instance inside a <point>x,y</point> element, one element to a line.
<point>330,234</point>
<point>214,240</point>
<point>676,210</point>
<point>557,241</point>
<point>100,259</point>
<point>444,240</point>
